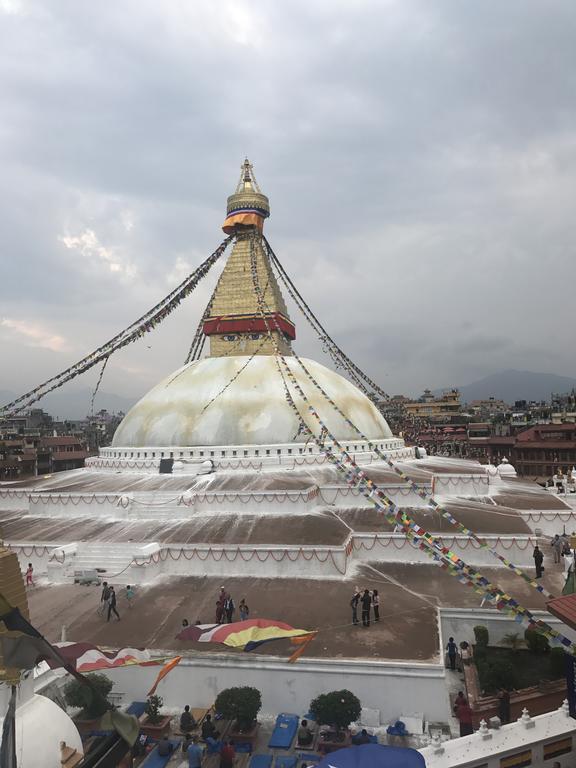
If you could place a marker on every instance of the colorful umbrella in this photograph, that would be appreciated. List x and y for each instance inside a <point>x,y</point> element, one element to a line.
<point>373,756</point>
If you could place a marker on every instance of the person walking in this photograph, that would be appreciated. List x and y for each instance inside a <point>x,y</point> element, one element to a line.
<point>366,601</point>
<point>244,610</point>
<point>354,605</point>
<point>229,609</point>
<point>129,595</point>
<point>452,651</point>
<point>112,605</point>
<point>30,575</point>
<point>464,715</point>
<point>376,605</point>
<point>538,560</point>
<point>104,596</point>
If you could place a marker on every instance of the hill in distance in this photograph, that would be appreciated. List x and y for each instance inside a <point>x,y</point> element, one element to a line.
<point>514,385</point>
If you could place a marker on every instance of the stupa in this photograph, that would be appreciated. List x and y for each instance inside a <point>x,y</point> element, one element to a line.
<point>214,474</point>
<point>233,403</point>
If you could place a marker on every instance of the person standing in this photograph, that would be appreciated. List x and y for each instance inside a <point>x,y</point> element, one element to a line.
<point>229,609</point>
<point>452,650</point>
<point>227,755</point>
<point>129,595</point>
<point>30,575</point>
<point>366,600</point>
<point>538,560</point>
<point>112,605</point>
<point>244,610</point>
<point>354,605</point>
<point>504,706</point>
<point>557,546</point>
<point>376,605</point>
<point>104,598</point>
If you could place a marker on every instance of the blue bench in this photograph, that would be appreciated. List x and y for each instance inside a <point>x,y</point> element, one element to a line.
<point>136,708</point>
<point>284,731</point>
<point>286,761</point>
<point>154,760</point>
<point>309,757</point>
<point>261,761</point>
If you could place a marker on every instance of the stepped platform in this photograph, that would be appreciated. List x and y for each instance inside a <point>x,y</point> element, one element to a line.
<point>408,629</point>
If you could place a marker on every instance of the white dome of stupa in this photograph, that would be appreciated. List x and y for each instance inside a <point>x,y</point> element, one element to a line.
<point>214,402</point>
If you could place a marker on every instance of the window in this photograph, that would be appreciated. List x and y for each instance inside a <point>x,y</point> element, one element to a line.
<point>278,451</point>
<point>201,453</point>
<point>233,453</point>
<point>267,451</point>
<point>245,453</point>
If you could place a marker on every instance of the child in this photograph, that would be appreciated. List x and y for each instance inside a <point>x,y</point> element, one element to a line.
<point>244,610</point>
<point>30,575</point>
<point>129,595</point>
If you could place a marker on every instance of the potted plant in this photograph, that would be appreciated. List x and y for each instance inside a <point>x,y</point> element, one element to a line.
<point>241,705</point>
<point>155,724</point>
<point>337,709</point>
<point>91,699</point>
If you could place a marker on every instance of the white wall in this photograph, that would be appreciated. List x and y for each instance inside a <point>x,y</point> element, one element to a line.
<point>392,688</point>
<point>459,623</point>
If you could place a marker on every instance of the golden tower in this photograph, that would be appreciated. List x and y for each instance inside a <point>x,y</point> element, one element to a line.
<point>235,324</point>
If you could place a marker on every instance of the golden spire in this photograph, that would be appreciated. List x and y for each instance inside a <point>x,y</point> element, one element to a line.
<point>247,207</point>
<point>235,325</point>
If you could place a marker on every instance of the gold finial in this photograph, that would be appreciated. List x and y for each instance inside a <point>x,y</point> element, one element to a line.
<point>247,207</point>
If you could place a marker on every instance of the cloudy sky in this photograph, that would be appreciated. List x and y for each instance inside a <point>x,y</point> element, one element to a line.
<point>419,156</point>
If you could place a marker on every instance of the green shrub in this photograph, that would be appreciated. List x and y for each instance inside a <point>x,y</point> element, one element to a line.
<point>497,673</point>
<point>480,653</point>
<point>481,635</point>
<point>512,640</point>
<point>152,709</point>
<point>557,662</point>
<point>92,699</point>
<point>338,708</point>
<point>536,642</point>
<point>241,704</point>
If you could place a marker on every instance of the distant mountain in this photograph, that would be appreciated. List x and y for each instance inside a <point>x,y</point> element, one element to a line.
<point>75,404</point>
<point>516,385</point>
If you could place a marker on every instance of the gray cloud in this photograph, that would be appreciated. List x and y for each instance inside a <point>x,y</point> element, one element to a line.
<point>420,158</point>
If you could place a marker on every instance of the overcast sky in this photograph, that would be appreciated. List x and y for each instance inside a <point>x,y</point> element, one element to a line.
<point>419,157</point>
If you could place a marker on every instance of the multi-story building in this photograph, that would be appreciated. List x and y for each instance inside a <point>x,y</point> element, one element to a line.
<point>435,409</point>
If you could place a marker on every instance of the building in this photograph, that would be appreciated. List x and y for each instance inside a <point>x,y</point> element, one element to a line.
<point>26,456</point>
<point>435,409</point>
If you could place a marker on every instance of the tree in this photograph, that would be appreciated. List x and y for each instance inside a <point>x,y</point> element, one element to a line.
<point>338,708</point>
<point>92,699</point>
<point>512,640</point>
<point>536,642</point>
<point>241,704</point>
<point>481,635</point>
<point>152,709</point>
